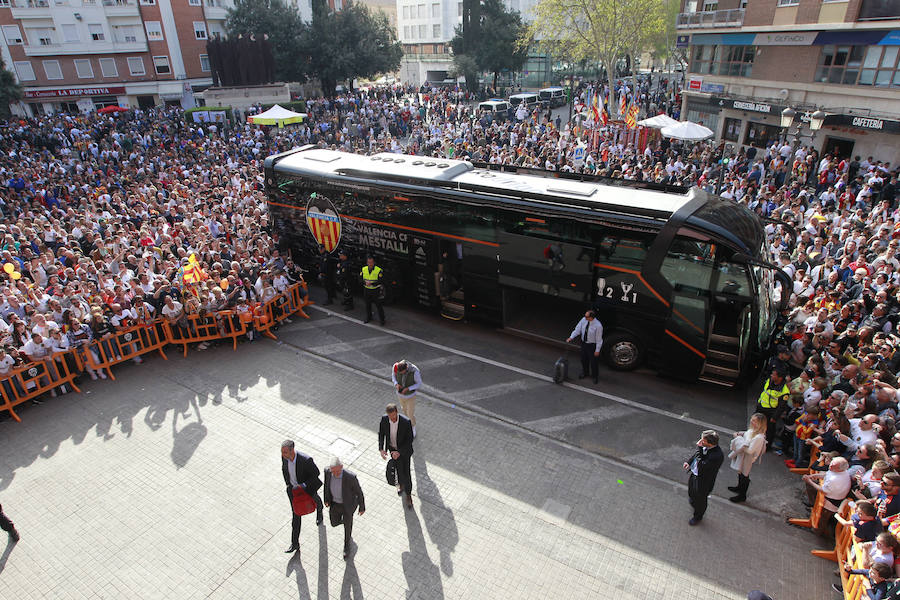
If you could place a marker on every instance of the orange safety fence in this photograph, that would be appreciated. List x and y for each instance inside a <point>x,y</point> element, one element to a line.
<point>814,515</point>
<point>813,457</point>
<point>125,345</point>
<point>36,378</point>
<point>843,537</point>
<point>31,380</point>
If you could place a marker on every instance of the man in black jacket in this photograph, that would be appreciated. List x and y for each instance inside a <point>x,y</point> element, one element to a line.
<point>703,467</point>
<point>299,470</point>
<point>343,496</point>
<point>395,435</point>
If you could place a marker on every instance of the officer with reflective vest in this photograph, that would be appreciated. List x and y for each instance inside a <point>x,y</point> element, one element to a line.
<point>373,290</point>
<point>772,401</point>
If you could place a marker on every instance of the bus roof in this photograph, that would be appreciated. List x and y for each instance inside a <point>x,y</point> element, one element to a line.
<point>419,170</point>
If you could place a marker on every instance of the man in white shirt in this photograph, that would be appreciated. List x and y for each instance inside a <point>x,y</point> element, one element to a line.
<point>590,331</point>
<point>862,431</point>
<point>835,484</point>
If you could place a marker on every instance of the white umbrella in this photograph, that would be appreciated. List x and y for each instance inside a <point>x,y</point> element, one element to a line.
<point>658,122</point>
<point>687,130</point>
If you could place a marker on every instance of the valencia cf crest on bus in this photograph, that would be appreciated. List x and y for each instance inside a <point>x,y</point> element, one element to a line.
<point>324,221</point>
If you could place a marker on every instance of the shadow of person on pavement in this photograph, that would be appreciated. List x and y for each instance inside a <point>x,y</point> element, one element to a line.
<point>350,586</point>
<point>9,548</point>
<point>294,565</point>
<point>439,520</point>
<point>423,577</point>
<point>322,591</point>
<point>186,440</point>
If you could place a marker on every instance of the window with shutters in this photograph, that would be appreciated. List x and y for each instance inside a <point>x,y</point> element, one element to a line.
<point>136,65</point>
<point>108,67</point>
<point>96,32</point>
<point>52,69</point>
<point>200,30</point>
<point>154,31</point>
<point>24,70</point>
<point>204,63</point>
<point>83,68</point>
<point>13,35</point>
<point>161,64</point>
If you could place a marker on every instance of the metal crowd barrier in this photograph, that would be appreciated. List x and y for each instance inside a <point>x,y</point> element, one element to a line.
<point>34,379</point>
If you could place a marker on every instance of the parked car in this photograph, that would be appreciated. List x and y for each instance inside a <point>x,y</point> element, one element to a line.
<point>552,97</point>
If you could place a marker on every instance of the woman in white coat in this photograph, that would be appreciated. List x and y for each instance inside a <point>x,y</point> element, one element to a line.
<point>746,448</point>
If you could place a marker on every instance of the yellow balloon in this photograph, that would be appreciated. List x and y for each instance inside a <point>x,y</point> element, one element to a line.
<point>16,275</point>
<point>223,283</point>
<point>9,267</point>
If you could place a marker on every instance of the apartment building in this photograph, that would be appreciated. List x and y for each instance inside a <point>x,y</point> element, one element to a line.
<point>425,28</point>
<point>748,60</point>
<point>85,54</point>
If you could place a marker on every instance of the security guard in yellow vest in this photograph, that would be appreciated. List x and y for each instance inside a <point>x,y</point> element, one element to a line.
<point>772,401</point>
<point>373,289</point>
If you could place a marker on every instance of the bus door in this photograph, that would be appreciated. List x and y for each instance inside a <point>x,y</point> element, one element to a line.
<point>732,323</point>
<point>688,267</point>
<point>449,279</point>
<point>424,251</point>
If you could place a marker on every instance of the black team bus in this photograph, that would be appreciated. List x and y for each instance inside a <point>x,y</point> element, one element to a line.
<point>678,277</point>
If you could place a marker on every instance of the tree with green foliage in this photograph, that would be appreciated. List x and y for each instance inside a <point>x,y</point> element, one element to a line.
<point>10,90</point>
<point>490,38</point>
<point>598,30</point>
<point>349,43</point>
<point>284,26</point>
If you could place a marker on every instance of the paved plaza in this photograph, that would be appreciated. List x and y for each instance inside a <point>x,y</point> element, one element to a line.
<point>167,484</point>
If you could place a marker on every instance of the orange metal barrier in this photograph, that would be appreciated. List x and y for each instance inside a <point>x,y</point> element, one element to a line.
<point>814,515</point>
<point>843,537</point>
<point>126,345</point>
<point>813,457</point>
<point>32,380</point>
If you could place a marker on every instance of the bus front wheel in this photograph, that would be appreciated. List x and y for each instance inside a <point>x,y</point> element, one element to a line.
<point>623,352</point>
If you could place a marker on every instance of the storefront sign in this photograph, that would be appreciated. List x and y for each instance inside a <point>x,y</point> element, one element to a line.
<point>799,38</point>
<point>749,105</point>
<point>867,123</point>
<point>712,88</point>
<point>73,92</point>
<point>682,41</point>
<point>695,83</point>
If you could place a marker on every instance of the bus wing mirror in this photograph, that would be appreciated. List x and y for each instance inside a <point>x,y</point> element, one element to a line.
<point>787,287</point>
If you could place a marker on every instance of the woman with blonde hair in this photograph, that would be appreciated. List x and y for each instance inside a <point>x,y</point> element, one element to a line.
<point>746,448</point>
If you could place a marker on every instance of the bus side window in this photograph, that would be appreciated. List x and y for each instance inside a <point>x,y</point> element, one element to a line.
<point>689,266</point>
<point>622,251</point>
<point>733,279</point>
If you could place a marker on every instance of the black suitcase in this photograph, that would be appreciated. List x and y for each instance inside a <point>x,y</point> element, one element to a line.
<point>561,369</point>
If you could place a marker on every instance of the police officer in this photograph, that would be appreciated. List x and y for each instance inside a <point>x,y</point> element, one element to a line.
<point>772,401</point>
<point>373,289</point>
<point>326,273</point>
<point>345,280</point>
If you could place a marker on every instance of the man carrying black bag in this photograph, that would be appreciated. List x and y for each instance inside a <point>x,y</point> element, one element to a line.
<point>343,496</point>
<point>590,332</point>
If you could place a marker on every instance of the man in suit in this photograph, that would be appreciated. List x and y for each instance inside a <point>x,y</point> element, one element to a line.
<point>300,471</point>
<point>343,496</point>
<point>395,435</point>
<point>703,466</point>
<point>7,526</point>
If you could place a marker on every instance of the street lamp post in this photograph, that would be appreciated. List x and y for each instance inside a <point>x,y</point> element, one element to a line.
<point>723,164</point>
<point>816,120</point>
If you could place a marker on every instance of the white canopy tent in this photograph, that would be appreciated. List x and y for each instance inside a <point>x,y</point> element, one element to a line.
<point>687,130</point>
<point>277,115</point>
<point>658,122</point>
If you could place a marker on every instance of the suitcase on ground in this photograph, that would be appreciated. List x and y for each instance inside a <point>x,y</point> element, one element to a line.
<point>560,369</point>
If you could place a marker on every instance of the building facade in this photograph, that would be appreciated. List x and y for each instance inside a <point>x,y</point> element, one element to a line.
<point>79,55</point>
<point>425,29</point>
<point>749,60</point>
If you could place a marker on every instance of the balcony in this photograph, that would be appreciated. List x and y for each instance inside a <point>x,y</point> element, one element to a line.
<point>710,19</point>
<point>215,10</point>
<point>121,8</point>
<point>76,48</point>
<point>30,9</point>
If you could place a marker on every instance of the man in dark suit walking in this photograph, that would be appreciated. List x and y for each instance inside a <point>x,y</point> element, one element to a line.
<point>299,470</point>
<point>703,466</point>
<point>343,496</point>
<point>7,526</point>
<point>395,435</point>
